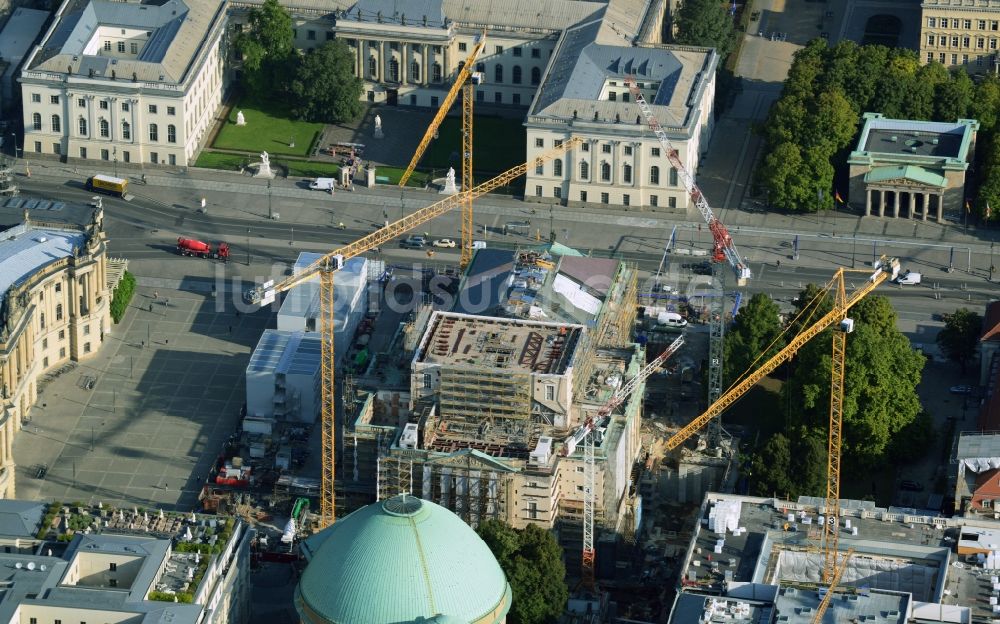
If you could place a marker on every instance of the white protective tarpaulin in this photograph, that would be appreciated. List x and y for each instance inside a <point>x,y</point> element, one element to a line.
<point>981,464</point>
<point>575,294</point>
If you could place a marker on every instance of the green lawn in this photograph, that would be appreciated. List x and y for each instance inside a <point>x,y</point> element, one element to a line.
<point>269,128</point>
<point>215,160</point>
<point>498,144</point>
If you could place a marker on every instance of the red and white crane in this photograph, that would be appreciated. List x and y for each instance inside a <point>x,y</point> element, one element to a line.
<point>724,248</point>
<point>585,433</point>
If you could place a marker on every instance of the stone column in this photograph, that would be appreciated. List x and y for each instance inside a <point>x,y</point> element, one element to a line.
<point>614,162</point>
<point>927,201</point>
<point>426,56</point>
<point>381,61</point>
<point>940,211</point>
<point>913,204</point>
<point>91,290</point>
<point>360,47</point>
<point>593,158</point>
<point>868,202</point>
<point>404,56</point>
<point>446,67</point>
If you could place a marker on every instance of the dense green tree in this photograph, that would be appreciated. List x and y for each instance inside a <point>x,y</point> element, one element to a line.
<point>881,374</point>
<point>790,465</point>
<point>787,121</point>
<point>532,560</point>
<point>953,98</point>
<point>806,70</point>
<point>785,177</point>
<point>754,337</point>
<point>771,468</point>
<point>266,46</point>
<point>869,65</point>
<point>325,88</point>
<point>986,103</point>
<point>833,123</point>
<point>706,23</point>
<point>960,336</point>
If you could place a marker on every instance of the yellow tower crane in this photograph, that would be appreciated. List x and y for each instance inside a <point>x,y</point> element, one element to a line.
<point>327,265</point>
<point>832,583</point>
<point>464,82</point>
<point>885,268</point>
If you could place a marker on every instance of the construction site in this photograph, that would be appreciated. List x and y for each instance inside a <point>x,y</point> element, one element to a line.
<point>515,389</point>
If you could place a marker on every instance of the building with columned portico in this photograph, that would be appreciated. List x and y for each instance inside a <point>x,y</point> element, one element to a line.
<point>909,169</point>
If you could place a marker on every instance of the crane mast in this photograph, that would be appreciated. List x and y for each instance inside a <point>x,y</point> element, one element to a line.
<point>586,433</point>
<point>885,268</point>
<point>724,249</point>
<point>327,266</point>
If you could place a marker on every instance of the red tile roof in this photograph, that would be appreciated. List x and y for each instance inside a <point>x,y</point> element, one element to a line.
<point>991,322</point>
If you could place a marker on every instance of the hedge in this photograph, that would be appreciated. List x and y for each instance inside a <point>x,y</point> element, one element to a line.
<point>122,297</point>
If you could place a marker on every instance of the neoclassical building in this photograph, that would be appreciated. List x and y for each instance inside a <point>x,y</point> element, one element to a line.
<point>54,307</point>
<point>910,169</point>
<point>126,81</point>
<point>960,33</point>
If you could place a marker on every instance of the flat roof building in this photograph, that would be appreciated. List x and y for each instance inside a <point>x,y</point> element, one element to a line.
<point>911,168</point>
<point>125,567</point>
<point>907,564</point>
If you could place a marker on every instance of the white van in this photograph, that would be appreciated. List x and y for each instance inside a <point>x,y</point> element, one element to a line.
<point>323,184</point>
<point>909,278</point>
<point>671,319</point>
<point>479,244</point>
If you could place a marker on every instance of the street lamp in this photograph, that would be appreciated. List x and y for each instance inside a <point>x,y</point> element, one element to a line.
<point>270,214</point>
<point>992,268</point>
<point>248,246</point>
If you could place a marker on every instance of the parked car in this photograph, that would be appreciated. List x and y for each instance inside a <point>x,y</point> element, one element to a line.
<point>699,268</point>
<point>413,242</point>
<point>911,486</point>
<point>963,389</point>
<point>478,244</point>
<point>908,278</point>
<point>444,242</point>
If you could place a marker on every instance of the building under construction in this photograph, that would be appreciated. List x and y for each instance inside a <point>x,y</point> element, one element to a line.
<point>498,382</point>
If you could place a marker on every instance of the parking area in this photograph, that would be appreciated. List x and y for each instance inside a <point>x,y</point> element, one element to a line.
<point>143,422</point>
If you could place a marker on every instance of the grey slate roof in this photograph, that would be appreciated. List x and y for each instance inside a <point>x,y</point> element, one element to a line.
<point>395,10</point>
<point>581,67</point>
<point>25,249</point>
<point>551,15</point>
<point>178,32</point>
<point>20,518</point>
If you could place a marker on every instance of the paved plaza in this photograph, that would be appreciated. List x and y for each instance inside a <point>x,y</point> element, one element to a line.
<point>144,421</point>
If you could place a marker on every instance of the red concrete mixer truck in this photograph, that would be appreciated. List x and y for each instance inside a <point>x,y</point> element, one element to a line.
<point>192,247</point>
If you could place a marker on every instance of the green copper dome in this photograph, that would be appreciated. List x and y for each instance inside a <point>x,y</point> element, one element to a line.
<point>402,560</point>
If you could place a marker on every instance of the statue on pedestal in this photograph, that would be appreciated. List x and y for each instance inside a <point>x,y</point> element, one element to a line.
<point>378,127</point>
<point>240,119</point>
<point>449,183</point>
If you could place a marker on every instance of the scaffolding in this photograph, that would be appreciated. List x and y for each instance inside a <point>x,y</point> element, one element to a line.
<point>462,484</point>
<point>617,321</point>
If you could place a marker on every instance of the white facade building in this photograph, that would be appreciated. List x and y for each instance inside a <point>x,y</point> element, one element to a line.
<point>126,81</point>
<point>621,161</point>
<point>283,376</point>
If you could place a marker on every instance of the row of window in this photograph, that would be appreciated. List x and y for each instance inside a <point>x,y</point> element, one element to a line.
<point>104,128</point>
<point>154,157</point>
<point>153,109</point>
<point>133,47</point>
<point>606,148</point>
<point>954,22</point>
<point>605,173</point>
<point>954,41</point>
<point>654,200</point>
<point>517,73</point>
<point>943,58</point>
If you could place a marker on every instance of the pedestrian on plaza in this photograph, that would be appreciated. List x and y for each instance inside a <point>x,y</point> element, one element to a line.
<point>778,263</point>
<point>155,294</point>
<point>230,329</point>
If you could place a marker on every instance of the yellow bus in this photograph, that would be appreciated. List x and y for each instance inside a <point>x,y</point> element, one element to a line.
<point>108,184</point>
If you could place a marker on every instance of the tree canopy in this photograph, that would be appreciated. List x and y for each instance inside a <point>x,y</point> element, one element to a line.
<point>325,88</point>
<point>882,373</point>
<point>532,560</point>
<point>754,333</point>
<point>266,47</point>
<point>706,23</point>
<point>960,336</point>
<point>810,129</point>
